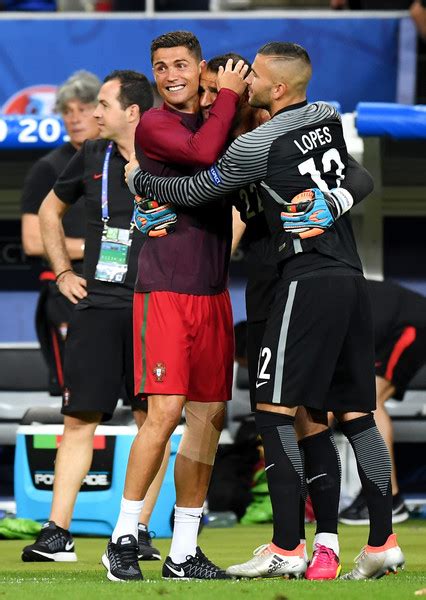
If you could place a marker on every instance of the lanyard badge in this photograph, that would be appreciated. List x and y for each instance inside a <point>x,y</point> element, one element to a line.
<point>113,262</point>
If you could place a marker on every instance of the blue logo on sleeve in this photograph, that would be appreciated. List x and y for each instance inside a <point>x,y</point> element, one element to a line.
<point>215,176</point>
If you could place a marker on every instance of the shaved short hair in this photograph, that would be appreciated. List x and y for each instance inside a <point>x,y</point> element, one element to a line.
<point>286,51</point>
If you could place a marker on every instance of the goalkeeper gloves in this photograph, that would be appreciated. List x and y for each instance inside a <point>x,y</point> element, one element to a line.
<point>312,212</point>
<point>152,219</point>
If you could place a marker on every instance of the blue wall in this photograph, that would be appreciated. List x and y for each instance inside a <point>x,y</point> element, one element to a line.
<point>353,59</point>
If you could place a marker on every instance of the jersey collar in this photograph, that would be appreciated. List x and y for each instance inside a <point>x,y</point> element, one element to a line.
<point>291,107</point>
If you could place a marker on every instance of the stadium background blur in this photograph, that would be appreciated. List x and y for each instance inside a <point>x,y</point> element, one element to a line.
<point>358,56</point>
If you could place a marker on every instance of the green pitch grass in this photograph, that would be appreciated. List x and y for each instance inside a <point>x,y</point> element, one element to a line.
<point>86,580</point>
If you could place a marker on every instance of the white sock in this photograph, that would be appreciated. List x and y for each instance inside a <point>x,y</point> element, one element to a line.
<point>127,523</point>
<point>185,532</point>
<point>330,540</point>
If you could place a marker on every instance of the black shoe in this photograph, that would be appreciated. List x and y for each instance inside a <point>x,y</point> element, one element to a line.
<point>195,567</point>
<point>146,551</point>
<point>121,560</point>
<point>53,544</point>
<point>399,509</point>
<point>356,513</point>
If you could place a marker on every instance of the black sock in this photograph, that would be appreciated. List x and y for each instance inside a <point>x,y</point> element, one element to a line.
<point>374,469</point>
<point>284,471</point>
<point>323,475</point>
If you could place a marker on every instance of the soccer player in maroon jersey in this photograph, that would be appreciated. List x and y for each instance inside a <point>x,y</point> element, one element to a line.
<point>271,154</point>
<point>182,312</point>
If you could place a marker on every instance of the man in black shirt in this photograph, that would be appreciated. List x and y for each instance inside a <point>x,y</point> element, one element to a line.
<point>399,317</point>
<point>99,349</point>
<point>75,101</point>
<point>318,349</point>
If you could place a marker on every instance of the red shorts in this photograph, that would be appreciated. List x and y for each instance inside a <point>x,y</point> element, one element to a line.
<point>183,345</point>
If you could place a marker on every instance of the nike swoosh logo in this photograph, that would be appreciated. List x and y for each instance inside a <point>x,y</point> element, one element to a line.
<point>69,546</point>
<point>308,481</point>
<point>269,466</point>
<point>260,383</point>
<point>97,175</point>
<point>179,573</point>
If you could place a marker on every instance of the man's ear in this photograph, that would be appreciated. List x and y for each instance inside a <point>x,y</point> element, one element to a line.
<point>202,66</point>
<point>279,90</point>
<point>133,112</point>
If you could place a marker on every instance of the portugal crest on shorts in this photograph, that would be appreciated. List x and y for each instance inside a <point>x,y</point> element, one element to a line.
<point>159,371</point>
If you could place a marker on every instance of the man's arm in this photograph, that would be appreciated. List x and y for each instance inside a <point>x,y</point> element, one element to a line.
<point>245,161</point>
<point>163,137</point>
<point>51,213</point>
<point>313,211</point>
<point>357,181</point>
<point>238,229</point>
<point>33,244</point>
<point>39,181</point>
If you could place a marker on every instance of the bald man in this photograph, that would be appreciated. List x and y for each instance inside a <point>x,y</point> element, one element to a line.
<point>318,348</point>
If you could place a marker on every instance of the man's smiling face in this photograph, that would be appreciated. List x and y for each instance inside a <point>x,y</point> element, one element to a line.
<point>177,74</point>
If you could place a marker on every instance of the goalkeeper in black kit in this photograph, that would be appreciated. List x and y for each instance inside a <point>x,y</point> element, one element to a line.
<point>318,348</point>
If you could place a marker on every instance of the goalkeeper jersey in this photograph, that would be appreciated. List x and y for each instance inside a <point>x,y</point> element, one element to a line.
<point>302,146</point>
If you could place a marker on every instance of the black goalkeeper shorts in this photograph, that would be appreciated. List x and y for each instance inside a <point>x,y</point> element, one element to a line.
<point>318,346</point>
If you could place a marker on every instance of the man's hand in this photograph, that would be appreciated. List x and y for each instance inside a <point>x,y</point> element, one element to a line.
<point>232,78</point>
<point>72,286</point>
<point>152,219</point>
<point>132,165</point>
<point>312,212</point>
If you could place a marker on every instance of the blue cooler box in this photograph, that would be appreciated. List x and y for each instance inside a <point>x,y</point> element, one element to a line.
<point>98,502</point>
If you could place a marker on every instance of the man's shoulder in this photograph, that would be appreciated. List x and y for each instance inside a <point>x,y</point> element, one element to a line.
<point>323,110</point>
<point>57,157</point>
<point>95,147</point>
<point>154,116</point>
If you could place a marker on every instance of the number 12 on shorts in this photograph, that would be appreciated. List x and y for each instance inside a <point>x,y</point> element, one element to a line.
<point>262,376</point>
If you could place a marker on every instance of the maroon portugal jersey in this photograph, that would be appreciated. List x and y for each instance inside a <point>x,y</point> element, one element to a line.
<point>193,259</point>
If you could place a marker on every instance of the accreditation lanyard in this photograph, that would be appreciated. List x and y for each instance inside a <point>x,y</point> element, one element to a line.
<point>113,259</point>
<point>104,194</point>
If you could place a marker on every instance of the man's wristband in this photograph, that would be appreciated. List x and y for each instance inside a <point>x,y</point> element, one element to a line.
<point>343,200</point>
<point>62,273</point>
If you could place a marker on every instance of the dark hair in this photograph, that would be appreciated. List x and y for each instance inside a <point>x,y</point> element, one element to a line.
<point>221,60</point>
<point>286,50</point>
<point>177,38</point>
<point>135,89</point>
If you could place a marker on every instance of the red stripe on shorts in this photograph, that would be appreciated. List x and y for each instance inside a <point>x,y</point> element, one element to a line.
<point>57,358</point>
<point>407,338</point>
<point>143,341</point>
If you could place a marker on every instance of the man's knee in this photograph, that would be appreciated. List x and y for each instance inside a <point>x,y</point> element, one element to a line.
<point>384,390</point>
<point>164,415</point>
<point>204,423</point>
<point>81,423</point>
<point>310,422</point>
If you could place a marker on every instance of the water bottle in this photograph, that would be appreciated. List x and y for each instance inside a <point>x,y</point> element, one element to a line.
<point>226,518</point>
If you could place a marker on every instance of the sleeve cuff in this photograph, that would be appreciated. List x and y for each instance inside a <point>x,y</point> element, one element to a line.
<point>344,200</point>
<point>131,180</point>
